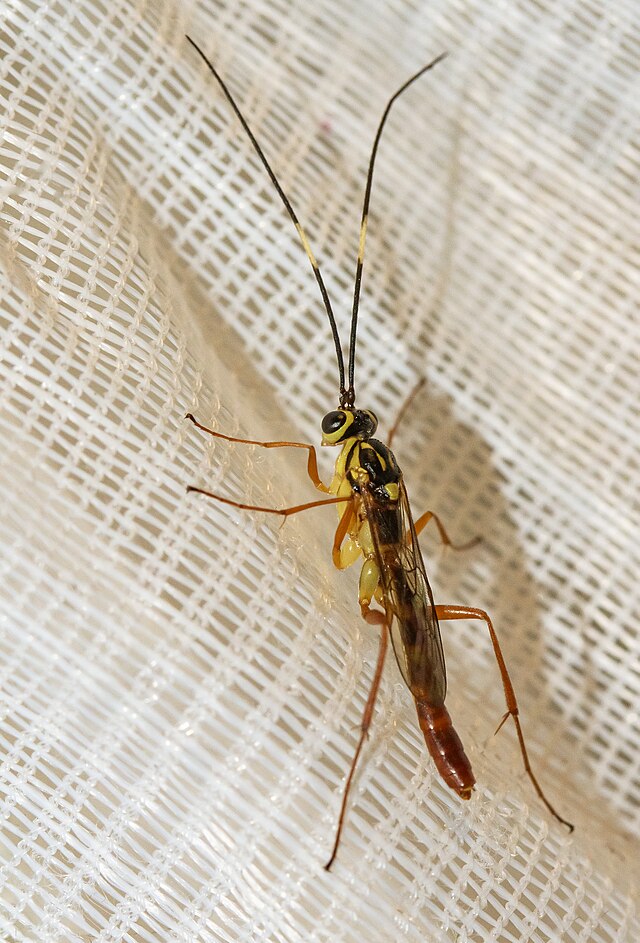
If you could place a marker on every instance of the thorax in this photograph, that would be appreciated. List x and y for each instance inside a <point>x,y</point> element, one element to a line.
<point>370,464</point>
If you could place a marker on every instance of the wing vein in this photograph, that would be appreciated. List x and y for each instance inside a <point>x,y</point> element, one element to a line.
<point>408,600</point>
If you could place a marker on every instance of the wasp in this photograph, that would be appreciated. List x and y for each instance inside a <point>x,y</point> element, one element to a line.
<point>376,526</point>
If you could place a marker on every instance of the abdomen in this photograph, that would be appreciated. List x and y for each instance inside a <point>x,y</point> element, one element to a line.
<point>446,748</point>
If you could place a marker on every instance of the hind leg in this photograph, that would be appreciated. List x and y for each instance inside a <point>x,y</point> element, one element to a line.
<point>449,613</point>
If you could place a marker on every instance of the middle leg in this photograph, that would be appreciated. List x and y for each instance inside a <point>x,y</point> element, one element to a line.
<point>424,519</point>
<point>364,728</point>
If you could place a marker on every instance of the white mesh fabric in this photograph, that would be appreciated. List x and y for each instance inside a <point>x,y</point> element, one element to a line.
<point>182,683</point>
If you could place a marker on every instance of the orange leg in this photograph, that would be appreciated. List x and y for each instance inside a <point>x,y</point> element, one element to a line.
<point>341,532</point>
<point>447,613</point>
<point>366,723</point>
<point>312,462</point>
<point>424,519</point>
<point>283,512</point>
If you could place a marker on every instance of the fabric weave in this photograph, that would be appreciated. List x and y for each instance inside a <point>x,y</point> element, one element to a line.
<point>183,682</point>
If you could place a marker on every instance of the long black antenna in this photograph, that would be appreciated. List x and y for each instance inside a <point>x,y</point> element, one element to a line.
<point>290,211</point>
<point>350,394</point>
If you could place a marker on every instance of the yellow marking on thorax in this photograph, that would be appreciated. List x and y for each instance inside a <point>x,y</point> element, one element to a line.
<point>359,541</point>
<point>340,470</point>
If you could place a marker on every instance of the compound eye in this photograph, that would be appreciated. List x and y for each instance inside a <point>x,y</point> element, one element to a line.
<point>333,421</point>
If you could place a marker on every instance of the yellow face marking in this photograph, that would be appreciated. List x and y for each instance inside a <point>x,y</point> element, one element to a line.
<point>307,247</point>
<point>363,236</point>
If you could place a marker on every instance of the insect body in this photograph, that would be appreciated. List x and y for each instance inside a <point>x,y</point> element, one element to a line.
<point>375,523</point>
<point>378,524</point>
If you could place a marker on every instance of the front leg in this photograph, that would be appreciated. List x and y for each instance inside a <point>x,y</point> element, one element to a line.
<point>312,461</point>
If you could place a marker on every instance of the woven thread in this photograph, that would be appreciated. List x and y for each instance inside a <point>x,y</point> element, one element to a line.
<point>182,683</point>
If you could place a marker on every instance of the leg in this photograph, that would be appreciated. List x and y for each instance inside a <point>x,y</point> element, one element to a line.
<point>369,589</point>
<point>312,462</point>
<point>283,512</point>
<point>366,723</point>
<point>424,519</point>
<point>344,557</point>
<point>446,613</point>
<point>403,409</point>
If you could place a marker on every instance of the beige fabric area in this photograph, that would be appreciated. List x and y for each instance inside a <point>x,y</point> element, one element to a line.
<point>182,682</point>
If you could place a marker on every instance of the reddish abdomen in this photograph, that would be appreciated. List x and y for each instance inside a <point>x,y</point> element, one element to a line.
<point>446,748</point>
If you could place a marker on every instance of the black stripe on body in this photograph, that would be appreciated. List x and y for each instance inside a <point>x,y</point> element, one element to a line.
<point>377,460</point>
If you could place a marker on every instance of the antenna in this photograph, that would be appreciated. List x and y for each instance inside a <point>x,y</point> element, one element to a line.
<point>350,393</point>
<point>290,211</point>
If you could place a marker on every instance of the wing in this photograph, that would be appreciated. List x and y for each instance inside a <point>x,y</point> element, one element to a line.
<point>408,600</point>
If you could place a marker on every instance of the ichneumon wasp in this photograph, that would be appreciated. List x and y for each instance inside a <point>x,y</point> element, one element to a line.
<point>375,523</point>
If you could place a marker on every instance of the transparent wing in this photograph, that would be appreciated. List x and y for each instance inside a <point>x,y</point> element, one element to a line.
<point>408,600</point>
